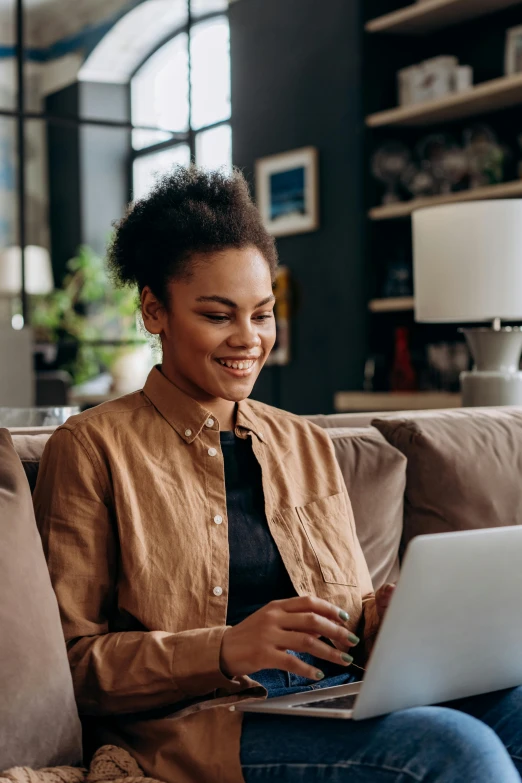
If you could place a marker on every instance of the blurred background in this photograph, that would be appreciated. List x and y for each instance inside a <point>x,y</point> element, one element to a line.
<point>343,114</point>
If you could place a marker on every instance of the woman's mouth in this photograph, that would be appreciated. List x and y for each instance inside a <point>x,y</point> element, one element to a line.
<point>239,368</point>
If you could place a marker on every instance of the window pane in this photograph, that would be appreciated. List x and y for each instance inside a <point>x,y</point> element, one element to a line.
<point>146,138</point>
<point>214,148</point>
<point>8,81</point>
<point>148,168</point>
<point>210,61</point>
<point>159,91</point>
<point>202,7</point>
<point>8,183</point>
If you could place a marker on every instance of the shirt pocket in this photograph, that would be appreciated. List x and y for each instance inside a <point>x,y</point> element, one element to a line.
<point>327,526</point>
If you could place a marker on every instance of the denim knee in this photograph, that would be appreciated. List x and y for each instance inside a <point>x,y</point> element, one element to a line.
<point>452,746</point>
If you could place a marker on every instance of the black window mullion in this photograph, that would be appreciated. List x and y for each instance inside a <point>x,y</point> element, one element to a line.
<point>20,122</point>
<point>161,145</point>
<point>192,135</point>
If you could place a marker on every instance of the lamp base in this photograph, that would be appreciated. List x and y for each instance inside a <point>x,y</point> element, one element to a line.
<point>495,378</point>
<point>484,389</point>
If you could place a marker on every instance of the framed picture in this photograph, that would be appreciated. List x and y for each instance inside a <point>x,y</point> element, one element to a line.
<point>280,353</point>
<point>287,191</point>
<point>513,61</point>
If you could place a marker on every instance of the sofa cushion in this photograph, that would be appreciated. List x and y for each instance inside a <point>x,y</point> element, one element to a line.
<point>464,468</point>
<point>39,724</point>
<point>30,449</point>
<point>375,476</point>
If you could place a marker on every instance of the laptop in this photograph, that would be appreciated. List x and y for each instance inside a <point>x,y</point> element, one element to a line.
<point>453,629</point>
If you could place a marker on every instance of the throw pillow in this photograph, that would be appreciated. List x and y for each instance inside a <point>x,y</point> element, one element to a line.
<point>464,468</point>
<point>30,449</point>
<point>39,724</point>
<point>375,477</point>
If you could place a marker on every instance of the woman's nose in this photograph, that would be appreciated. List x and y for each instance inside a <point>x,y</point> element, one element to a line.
<point>244,336</point>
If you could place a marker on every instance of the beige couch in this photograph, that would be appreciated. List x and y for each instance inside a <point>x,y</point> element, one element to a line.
<point>409,473</point>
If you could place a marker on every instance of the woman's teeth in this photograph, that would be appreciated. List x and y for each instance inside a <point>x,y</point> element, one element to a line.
<point>244,365</point>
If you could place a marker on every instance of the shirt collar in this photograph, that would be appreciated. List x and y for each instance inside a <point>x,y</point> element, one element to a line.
<point>186,415</point>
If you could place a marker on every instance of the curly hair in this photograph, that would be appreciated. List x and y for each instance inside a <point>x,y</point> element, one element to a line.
<point>189,211</point>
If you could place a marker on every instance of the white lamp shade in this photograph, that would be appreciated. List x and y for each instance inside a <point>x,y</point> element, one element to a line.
<point>38,270</point>
<point>467,262</point>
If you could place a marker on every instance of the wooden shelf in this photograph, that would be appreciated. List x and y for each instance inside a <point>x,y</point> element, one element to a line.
<point>405,208</point>
<point>391,305</point>
<point>427,17</point>
<point>486,97</point>
<point>369,402</point>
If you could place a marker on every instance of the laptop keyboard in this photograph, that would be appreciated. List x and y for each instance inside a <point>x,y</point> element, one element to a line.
<point>337,703</point>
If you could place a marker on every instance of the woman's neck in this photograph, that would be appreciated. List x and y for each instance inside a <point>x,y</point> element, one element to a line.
<point>223,410</point>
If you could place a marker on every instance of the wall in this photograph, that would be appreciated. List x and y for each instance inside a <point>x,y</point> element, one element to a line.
<point>295,82</point>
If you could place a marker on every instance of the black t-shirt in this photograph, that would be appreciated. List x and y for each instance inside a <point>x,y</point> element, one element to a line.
<point>257,574</point>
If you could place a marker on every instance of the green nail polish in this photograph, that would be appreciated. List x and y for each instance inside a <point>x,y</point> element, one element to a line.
<point>353,638</point>
<point>346,657</point>
<point>344,615</point>
<point>319,675</point>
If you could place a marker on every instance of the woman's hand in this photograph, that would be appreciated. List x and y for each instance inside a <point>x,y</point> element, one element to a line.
<point>261,640</point>
<point>383,598</point>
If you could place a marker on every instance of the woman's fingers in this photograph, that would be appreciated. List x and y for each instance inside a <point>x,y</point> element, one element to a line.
<point>316,625</point>
<point>308,643</point>
<point>310,603</point>
<point>383,597</point>
<point>289,663</point>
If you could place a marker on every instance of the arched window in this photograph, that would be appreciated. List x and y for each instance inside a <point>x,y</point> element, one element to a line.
<point>180,100</point>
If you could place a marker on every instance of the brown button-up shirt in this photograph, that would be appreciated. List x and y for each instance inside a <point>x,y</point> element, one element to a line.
<point>125,501</point>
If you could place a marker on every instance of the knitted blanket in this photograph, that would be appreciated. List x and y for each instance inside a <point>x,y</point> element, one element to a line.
<point>109,763</point>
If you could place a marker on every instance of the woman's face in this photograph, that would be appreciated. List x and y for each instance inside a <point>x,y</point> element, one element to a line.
<point>220,325</point>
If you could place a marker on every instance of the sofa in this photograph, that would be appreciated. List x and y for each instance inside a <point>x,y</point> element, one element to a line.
<point>407,473</point>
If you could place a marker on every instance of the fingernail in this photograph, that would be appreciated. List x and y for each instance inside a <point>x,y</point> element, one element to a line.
<point>346,657</point>
<point>344,615</point>
<point>319,675</point>
<point>353,638</point>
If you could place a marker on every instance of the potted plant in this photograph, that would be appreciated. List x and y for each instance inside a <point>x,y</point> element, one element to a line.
<point>95,324</point>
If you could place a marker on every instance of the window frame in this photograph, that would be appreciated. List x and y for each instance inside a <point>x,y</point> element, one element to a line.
<point>187,137</point>
<point>21,116</point>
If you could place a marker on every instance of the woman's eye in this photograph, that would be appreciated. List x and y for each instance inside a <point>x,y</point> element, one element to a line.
<point>216,318</point>
<point>264,317</point>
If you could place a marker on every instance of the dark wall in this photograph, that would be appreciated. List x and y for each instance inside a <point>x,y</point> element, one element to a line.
<point>296,81</point>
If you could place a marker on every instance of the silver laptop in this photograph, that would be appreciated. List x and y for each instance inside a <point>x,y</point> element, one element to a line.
<point>453,629</point>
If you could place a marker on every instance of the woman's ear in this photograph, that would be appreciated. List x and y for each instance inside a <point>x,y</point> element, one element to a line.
<point>153,312</point>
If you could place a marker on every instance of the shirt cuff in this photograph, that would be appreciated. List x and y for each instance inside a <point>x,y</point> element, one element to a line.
<point>196,662</point>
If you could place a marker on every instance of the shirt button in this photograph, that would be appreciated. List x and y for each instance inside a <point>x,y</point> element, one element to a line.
<point>212,452</point>
<point>218,519</point>
<point>209,423</point>
<point>188,433</point>
<point>217,590</point>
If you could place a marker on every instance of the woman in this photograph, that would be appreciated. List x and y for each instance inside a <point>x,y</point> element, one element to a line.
<point>202,547</point>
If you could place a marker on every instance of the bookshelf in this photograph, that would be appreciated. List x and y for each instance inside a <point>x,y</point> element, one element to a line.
<point>487,97</point>
<point>404,209</point>
<point>430,16</point>
<point>392,305</point>
<point>370,402</point>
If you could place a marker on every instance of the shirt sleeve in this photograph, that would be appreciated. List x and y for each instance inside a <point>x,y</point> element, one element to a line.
<point>122,671</point>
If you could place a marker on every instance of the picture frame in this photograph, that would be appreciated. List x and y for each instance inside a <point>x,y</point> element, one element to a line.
<point>513,56</point>
<point>287,191</point>
<point>280,354</point>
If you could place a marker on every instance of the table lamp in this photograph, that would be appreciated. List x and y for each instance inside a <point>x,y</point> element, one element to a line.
<point>467,268</point>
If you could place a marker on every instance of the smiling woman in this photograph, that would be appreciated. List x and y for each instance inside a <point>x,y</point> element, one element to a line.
<point>204,267</point>
<point>202,545</point>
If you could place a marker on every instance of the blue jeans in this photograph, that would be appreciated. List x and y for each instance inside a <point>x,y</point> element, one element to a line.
<point>475,740</point>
